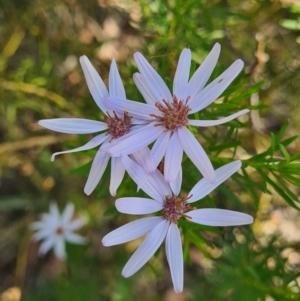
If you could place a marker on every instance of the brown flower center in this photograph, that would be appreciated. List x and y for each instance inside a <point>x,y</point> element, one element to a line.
<point>174,207</point>
<point>118,126</point>
<point>59,231</point>
<point>174,114</point>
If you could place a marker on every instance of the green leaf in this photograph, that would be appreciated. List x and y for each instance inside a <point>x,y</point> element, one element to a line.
<point>279,190</point>
<point>284,152</point>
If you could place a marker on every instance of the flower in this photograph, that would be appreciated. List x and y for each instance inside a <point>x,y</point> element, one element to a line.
<point>117,125</point>
<point>172,207</point>
<point>166,115</point>
<point>55,229</point>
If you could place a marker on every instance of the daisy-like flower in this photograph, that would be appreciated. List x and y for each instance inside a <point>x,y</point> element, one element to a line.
<point>166,114</point>
<point>54,230</point>
<point>117,125</point>
<point>166,200</point>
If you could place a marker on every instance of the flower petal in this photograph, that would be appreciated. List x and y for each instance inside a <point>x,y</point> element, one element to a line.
<point>137,205</point>
<point>175,257</point>
<point>77,223</point>
<point>142,87</point>
<point>131,231</point>
<point>140,139</point>
<point>144,158</point>
<point>152,79</point>
<point>136,172</point>
<point>91,144</point>
<point>42,234</point>
<point>73,125</point>
<point>135,109</point>
<point>156,186</point>
<point>116,175</point>
<point>196,153</point>
<point>173,158</point>
<point>116,87</point>
<point>54,212</point>
<point>176,184</point>
<point>67,213</point>
<point>203,188</point>
<point>219,217</point>
<point>95,83</point>
<point>75,238</point>
<point>59,248</point>
<point>111,142</point>
<point>160,147</point>
<point>46,245</point>
<point>147,248</point>
<point>219,121</point>
<point>182,73</point>
<point>203,73</point>
<point>96,172</point>
<point>215,88</point>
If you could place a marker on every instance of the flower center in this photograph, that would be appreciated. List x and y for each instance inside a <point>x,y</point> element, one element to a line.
<point>59,231</point>
<point>117,126</point>
<point>174,207</point>
<point>174,114</point>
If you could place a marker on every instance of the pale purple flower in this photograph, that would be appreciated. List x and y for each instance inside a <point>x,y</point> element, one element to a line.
<point>166,114</point>
<point>116,125</point>
<point>165,199</point>
<point>54,230</point>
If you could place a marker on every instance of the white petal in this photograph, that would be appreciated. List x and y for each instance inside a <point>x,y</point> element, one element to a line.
<point>176,184</point>
<point>175,257</point>
<point>111,142</point>
<point>147,248</point>
<point>136,172</point>
<point>59,248</point>
<point>67,213</point>
<point>116,175</point>
<point>73,125</point>
<point>144,158</point>
<point>156,186</point>
<point>96,172</point>
<point>203,188</point>
<point>219,121</point>
<point>160,147</point>
<point>196,153</point>
<point>37,225</point>
<point>131,231</point>
<point>173,158</point>
<point>135,109</point>
<point>135,121</point>
<point>75,238</point>
<point>77,223</point>
<point>54,212</point>
<point>182,73</point>
<point>116,87</point>
<point>137,205</point>
<point>46,245</point>
<point>141,85</point>
<point>42,234</point>
<point>211,92</point>
<point>154,82</point>
<point>95,83</point>
<point>96,141</point>
<point>219,217</point>
<point>135,142</point>
<point>203,73</point>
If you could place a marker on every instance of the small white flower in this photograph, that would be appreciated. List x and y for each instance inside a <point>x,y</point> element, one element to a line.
<point>165,198</point>
<point>117,125</point>
<point>54,230</point>
<point>166,115</point>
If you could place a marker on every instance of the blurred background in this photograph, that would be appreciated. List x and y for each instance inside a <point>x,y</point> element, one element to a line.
<point>40,77</point>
